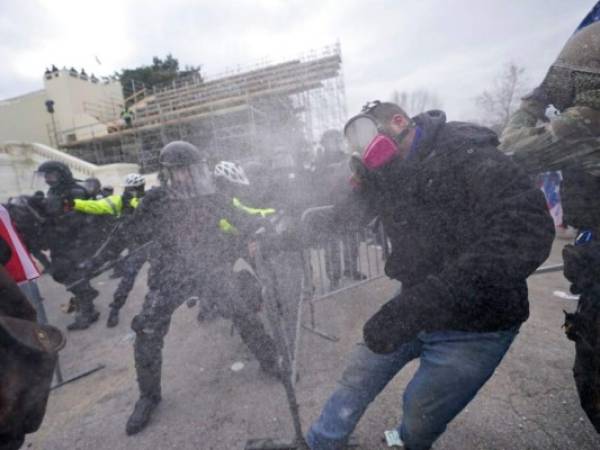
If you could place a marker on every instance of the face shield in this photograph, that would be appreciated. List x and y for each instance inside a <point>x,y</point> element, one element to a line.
<point>191,181</point>
<point>40,181</point>
<point>92,187</point>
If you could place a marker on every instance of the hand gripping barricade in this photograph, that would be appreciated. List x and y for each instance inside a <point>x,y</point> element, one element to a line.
<point>293,276</point>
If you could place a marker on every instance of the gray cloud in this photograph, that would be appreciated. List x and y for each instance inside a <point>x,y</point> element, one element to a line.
<point>452,48</point>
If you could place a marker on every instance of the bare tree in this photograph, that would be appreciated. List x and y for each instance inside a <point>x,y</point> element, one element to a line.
<point>498,103</point>
<point>417,101</point>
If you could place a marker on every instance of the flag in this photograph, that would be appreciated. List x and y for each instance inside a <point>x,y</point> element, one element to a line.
<point>20,266</point>
<point>593,16</point>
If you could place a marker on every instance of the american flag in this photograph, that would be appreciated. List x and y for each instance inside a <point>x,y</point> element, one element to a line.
<point>593,16</point>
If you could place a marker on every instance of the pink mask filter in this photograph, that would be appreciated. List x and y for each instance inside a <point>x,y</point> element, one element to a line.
<point>380,151</point>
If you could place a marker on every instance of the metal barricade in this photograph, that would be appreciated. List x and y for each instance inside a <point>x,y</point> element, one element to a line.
<point>336,263</point>
<point>296,277</point>
<point>325,266</point>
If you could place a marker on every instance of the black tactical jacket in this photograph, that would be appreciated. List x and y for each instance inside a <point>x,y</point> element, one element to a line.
<point>190,236</point>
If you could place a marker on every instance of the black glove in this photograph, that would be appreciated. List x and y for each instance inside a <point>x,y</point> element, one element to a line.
<point>582,325</point>
<point>582,265</point>
<point>424,307</point>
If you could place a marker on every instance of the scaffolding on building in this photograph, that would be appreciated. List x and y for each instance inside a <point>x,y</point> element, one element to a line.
<point>266,113</point>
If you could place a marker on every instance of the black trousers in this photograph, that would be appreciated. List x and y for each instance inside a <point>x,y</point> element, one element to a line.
<point>152,324</point>
<point>130,269</point>
<point>584,328</point>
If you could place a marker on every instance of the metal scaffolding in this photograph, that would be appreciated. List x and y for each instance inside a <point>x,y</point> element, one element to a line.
<point>266,113</point>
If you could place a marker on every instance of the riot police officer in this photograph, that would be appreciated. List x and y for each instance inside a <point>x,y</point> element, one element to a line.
<point>196,237</point>
<point>71,239</point>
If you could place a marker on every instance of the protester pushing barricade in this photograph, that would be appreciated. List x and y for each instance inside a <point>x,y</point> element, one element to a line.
<point>455,212</point>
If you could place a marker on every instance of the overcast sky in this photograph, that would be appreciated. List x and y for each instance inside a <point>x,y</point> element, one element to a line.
<point>454,48</point>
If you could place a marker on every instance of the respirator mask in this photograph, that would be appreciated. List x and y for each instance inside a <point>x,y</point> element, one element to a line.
<point>371,145</point>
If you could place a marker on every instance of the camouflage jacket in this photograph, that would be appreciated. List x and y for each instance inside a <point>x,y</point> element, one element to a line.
<point>571,140</point>
<point>570,143</point>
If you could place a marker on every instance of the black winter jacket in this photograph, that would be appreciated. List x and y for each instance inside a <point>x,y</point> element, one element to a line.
<point>464,220</point>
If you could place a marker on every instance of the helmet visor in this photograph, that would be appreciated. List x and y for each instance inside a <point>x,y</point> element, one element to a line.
<point>191,181</point>
<point>40,181</point>
<point>360,131</point>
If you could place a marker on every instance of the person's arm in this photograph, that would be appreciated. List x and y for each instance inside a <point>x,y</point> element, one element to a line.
<point>517,234</point>
<point>138,227</point>
<point>570,140</point>
<point>109,206</point>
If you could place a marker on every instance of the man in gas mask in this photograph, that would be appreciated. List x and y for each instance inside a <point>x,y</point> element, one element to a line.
<point>467,228</point>
<point>570,143</point>
<point>197,236</point>
<point>71,238</point>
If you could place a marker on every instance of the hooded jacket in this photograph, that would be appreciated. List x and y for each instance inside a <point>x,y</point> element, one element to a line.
<point>465,223</point>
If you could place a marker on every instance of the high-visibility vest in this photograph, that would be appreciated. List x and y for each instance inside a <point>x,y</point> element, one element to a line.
<point>20,266</point>
<point>263,212</point>
<point>111,205</point>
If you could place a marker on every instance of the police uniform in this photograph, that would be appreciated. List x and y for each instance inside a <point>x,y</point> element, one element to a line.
<point>196,239</point>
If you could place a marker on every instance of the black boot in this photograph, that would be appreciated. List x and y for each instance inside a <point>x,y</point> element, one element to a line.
<point>147,351</point>
<point>83,321</point>
<point>141,414</point>
<point>113,318</point>
<point>86,313</point>
<point>254,335</point>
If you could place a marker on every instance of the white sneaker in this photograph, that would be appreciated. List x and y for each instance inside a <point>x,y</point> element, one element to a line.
<point>392,438</point>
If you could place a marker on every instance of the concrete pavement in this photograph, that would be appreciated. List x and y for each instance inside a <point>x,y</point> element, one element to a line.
<point>530,403</point>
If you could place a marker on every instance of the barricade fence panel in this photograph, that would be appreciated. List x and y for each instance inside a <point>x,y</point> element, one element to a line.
<point>297,279</point>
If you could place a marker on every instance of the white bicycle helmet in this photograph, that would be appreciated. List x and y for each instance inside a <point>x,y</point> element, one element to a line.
<point>231,172</point>
<point>134,180</point>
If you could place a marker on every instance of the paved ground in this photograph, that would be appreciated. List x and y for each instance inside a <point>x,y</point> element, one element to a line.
<point>530,403</point>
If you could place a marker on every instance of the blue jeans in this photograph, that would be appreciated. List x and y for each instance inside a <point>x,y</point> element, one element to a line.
<point>454,366</point>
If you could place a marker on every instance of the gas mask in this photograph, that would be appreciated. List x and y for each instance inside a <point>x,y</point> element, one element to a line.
<point>372,146</point>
